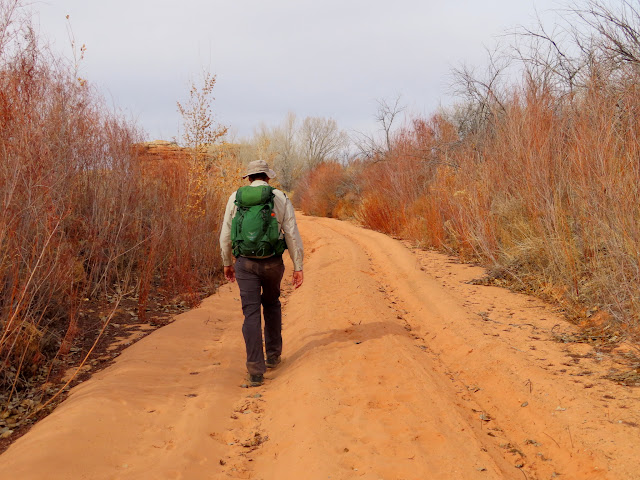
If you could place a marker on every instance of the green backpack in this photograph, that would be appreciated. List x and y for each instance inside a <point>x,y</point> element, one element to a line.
<point>254,229</point>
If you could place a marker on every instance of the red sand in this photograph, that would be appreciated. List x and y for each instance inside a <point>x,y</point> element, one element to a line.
<point>394,368</point>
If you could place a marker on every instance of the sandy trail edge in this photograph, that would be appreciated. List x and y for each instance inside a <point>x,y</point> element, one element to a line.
<point>150,414</point>
<point>390,372</point>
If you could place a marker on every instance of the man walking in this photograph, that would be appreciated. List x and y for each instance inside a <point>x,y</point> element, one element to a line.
<point>259,223</point>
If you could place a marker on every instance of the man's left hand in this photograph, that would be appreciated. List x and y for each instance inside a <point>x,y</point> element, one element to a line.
<point>230,273</point>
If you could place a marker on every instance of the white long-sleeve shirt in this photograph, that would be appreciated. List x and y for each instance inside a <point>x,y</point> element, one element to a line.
<point>286,222</point>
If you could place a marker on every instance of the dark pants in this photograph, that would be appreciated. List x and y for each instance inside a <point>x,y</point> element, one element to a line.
<point>259,282</point>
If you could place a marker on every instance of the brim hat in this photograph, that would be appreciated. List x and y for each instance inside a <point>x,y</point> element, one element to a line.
<point>259,166</point>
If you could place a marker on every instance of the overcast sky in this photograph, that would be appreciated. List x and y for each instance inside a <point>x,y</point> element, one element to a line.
<point>330,58</point>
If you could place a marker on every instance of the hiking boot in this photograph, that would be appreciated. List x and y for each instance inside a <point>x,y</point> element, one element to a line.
<point>256,380</point>
<point>273,362</point>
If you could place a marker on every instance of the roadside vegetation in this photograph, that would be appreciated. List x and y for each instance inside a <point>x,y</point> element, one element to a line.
<point>90,225</point>
<point>535,173</point>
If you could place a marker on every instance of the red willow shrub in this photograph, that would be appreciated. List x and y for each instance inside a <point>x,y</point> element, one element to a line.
<point>546,196</point>
<point>549,204</point>
<point>323,189</point>
<point>83,217</point>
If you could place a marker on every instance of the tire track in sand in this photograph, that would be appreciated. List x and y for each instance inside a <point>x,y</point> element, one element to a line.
<point>392,373</point>
<point>394,368</point>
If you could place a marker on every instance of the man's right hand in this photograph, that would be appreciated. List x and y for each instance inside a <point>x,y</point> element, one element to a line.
<point>298,277</point>
<point>230,273</point>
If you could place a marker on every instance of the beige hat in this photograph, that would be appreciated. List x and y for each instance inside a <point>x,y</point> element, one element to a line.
<point>259,166</point>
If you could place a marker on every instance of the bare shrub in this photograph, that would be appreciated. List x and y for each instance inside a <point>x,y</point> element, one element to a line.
<point>84,217</point>
<point>323,188</point>
<point>373,146</point>
<point>537,179</point>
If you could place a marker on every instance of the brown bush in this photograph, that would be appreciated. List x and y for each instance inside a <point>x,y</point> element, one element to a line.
<point>323,188</point>
<point>546,194</point>
<point>85,216</point>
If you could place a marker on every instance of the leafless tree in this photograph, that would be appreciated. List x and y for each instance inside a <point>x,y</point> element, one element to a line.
<point>200,128</point>
<point>617,29</point>
<point>284,143</point>
<point>377,145</point>
<point>293,146</point>
<point>546,58</point>
<point>278,145</point>
<point>591,39</point>
<point>320,140</point>
<point>482,93</point>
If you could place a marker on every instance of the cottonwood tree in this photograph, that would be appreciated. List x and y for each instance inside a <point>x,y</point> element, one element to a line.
<point>287,160</point>
<point>320,140</point>
<point>279,146</point>
<point>293,147</point>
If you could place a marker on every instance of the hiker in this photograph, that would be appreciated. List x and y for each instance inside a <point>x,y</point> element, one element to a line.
<point>259,224</point>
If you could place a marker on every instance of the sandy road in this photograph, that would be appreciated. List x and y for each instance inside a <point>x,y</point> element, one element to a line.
<point>394,368</point>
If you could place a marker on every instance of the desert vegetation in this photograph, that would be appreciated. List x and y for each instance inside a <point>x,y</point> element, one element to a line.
<point>295,146</point>
<point>534,173</point>
<point>89,218</point>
